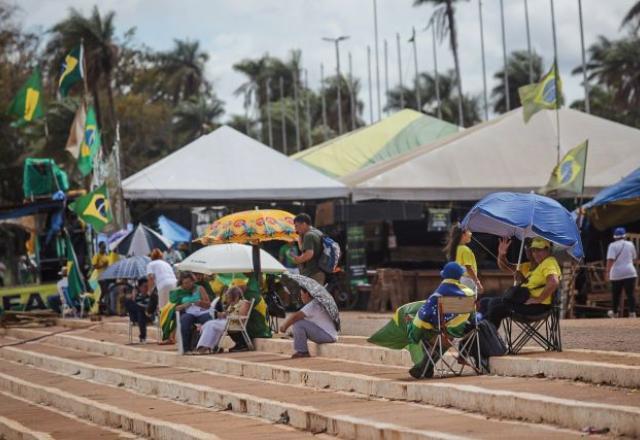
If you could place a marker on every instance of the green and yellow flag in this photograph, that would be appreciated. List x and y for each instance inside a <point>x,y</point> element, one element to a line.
<point>27,105</point>
<point>90,143</point>
<point>74,276</point>
<point>94,208</point>
<point>568,175</point>
<point>72,70</point>
<point>543,95</point>
<point>257,326</point>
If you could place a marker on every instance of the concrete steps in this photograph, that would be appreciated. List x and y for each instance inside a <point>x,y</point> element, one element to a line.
<point>555,402</point>
<point>312,410</point>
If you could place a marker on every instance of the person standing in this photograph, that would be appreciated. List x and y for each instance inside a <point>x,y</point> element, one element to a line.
<point>310,243</point>
<point>621,256</point>
<point>161,276</point>
<point>457,250</point>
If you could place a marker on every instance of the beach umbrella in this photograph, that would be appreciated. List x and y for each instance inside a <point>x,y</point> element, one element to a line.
<point>507,214</point>
<point>319,293</point>
<point>228,258</point>
<point>140,242</point>
<point>128,268</point>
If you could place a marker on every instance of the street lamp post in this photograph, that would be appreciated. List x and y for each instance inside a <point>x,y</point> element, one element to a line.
<point>337,41</point>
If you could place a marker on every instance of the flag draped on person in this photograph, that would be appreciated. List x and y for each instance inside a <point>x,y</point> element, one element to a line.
<point>72,70</point>
<point>569,174</point>
<point>27,104</point>
<point>94,208</point>
<point>76,132</point>
<point>257,325</point>
<point>547,94</point>
<point>90,143</point>
<point>74,276</point>
<point>395,334</point>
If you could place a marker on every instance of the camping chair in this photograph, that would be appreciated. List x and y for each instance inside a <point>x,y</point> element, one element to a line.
<point>238,323</point>
<point>543,329</point>
<point>71,306</point>
<point>462,346</point>
<point>156,320</point>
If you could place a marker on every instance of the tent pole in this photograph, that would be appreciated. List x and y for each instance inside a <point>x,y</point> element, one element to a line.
<point>515,279</point>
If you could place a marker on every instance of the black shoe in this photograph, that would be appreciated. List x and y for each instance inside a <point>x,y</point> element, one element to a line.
<point>418,370</point>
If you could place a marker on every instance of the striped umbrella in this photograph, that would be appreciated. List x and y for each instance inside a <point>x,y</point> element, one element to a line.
<point>140,242</point>
<point>129,268</point>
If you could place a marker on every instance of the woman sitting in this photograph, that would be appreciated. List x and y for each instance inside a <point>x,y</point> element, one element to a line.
<point>212,330</point>
<point>317,321</point>
<point>194,308</point>
<point>533,297</point>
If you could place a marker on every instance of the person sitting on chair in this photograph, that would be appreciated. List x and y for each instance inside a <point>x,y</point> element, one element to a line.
<point>212,330</point>
<point>194,308</point>
<point>533,297</point>
<point>520,273</point>
<point>141,306</point>
<point>423,327</point>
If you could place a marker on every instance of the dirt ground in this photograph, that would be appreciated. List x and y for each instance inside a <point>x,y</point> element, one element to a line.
<point>594,334</point>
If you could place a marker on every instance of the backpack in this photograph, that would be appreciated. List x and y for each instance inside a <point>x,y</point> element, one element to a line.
<point>491,344</point>
<point>330,255</point>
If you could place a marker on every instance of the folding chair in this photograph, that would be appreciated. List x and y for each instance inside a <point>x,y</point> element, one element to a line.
<point>156,320</point>
<point>462,347</point>
<point>238,323</point>
<point>70,306</point>
<point>543,329</point>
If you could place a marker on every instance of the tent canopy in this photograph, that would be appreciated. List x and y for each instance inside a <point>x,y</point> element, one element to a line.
<point>397,134</point>
<point>173,231</point>
<point>503,154</point>
<point>617,204</point>
<point>228,165</point>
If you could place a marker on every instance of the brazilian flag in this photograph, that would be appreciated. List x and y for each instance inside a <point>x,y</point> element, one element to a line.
<point>257,326</point>
<point>94,208</point>
<point>74,276</point>
<point>547,94</point>
<point>72,70</point>
<point>569,174</point>
<point>395,334</point>
<point>90,144</point>
<point>27,104</point>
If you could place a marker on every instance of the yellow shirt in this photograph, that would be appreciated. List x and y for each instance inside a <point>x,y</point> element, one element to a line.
<point>100,260</point>
<point>113,258</point>
<point>525,268</point>
<point>538,277</point>
<point>465,257</point>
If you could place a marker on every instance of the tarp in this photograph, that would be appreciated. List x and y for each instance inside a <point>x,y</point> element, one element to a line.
<point>401,132</point>
<point>503,154</point>
<point>228,165</point>
<point>173,231</point>
<point>617,204</point>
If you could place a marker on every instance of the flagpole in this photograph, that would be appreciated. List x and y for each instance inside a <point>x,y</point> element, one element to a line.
<point>435,70</point>
<point>400,70</point>
<point>484,66</point>
<point>269,112</point>
<point>297,110</point>
<point>324,104</point>
<point>352,98</point>
<point>84,69</point>
<point>375,28</point>
<point>555,77</point>
<point>307,107</point>
<point>587,104</point>
<point>283,116</point>
<point>119,176</point>
<point>415,64</point>
<point>386,74</point>
<point>584,178</point>
<point>370,85</point>
<point>504,58</point>
<point>526,18</point>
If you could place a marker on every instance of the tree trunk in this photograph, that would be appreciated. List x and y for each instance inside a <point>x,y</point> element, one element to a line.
<point>112,108</point>
<point>454,48</point>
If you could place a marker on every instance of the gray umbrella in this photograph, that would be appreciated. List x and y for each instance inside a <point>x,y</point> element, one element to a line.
<point>319,293</point>
<point>129,268</point>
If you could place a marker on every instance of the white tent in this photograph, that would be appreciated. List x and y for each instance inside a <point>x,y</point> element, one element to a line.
<point>228,165</point>
<point>503,154</point>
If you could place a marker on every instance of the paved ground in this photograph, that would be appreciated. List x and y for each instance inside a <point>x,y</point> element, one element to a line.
<point>595,334</point>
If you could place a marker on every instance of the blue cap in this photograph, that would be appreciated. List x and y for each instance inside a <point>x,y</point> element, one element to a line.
<point>452,270</point>
<point>619,232</point>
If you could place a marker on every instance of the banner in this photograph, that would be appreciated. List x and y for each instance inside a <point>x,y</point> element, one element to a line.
<point>25,298</point>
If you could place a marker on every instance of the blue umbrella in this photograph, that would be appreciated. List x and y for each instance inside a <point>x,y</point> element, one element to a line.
<point>173,231</point>
<point>129,268</point>
<point>525,216</point>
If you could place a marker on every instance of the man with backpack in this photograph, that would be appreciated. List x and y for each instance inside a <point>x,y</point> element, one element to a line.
<point>310,244</point>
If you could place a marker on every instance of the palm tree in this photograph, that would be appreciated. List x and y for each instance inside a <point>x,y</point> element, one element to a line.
<point>196,116</point>
<point>449,99</point>
<point>632,19</point>
<point>97,33</point>
<point>331,99</point>
<point>443,18</point>
<point>182,70</point>
<point>518,73</point>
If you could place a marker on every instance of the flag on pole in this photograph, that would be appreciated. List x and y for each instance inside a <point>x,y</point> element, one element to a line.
<point>74,276</point>
<point>76,132</point>
<point>72,70</point>
<point>543,95</point>
<point>569,174</point>
<point>90,143</point>
<point>94,208</point>
<point>27,104</point>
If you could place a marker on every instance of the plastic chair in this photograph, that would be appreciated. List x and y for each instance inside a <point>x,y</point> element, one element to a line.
<point>238,323</point>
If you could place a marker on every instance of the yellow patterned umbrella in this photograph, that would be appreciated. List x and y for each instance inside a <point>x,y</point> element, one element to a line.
<point>251,227</point>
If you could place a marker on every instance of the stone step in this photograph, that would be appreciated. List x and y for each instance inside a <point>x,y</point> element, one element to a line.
<point>558,403</point>
<point>142,415</point>
<point>35,421</point>
<point>311,410</point>
<point>598,367</point>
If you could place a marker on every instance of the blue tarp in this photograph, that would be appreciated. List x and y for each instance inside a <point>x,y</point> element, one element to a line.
<point>173,231</point>
<point>525,216</point>
<point>628,188</point>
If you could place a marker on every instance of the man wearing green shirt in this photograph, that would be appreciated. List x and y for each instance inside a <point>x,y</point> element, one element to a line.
<point>310,244</point>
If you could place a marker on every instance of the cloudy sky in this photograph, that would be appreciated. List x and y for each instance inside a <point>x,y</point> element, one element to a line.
<point>235,29</point>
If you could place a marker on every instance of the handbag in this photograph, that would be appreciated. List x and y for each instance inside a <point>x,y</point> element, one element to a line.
<point>517,295</point>
<point>275,307</point>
